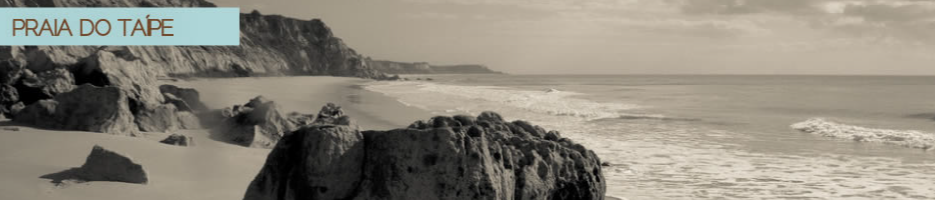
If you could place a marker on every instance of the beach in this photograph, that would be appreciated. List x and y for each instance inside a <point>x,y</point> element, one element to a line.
<point>667,137</point>
<point>209,170</point>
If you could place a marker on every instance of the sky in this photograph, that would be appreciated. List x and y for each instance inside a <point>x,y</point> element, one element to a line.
<point>846,37</point>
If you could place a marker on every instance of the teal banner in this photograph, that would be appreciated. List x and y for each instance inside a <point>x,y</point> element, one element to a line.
<point>120,26</point>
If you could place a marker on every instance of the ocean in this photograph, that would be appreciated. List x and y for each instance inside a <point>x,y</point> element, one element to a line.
<point>718,136</point>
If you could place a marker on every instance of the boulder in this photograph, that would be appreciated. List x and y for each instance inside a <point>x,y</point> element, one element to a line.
<point>178,102</point>
<point>190,97</point>
<point>188,120</point>
<point>477,162</point>
<point>31,88</point>
<point>136,79</point>
<point>255,124</point>
<point>314,162</point>
<point>8,97</point>
<point>10,71</point>
<point>179,140</point>
<point>300,119</point>
<point>332,114</point>
<point>104,165</point>
<point>86,108</point>
<point>458,157</point>
<point>163,118</point>
<point>41,114</point>
<point>57,81</point>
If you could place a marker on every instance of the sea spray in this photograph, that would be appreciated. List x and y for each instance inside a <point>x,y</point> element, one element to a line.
<point>906,138</point>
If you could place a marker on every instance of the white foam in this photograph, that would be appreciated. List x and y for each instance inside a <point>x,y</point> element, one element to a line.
<point>675,160</point>
<point>553,103</point>
<point>907,138</point>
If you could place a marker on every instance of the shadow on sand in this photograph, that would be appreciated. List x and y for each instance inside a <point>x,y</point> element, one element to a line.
<point>73,174</point>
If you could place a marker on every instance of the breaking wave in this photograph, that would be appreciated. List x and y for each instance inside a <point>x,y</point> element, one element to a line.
<point>552,102</point>
<point>906,138</point>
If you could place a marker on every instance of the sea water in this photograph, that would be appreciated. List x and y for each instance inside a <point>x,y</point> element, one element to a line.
<point>716,137</point>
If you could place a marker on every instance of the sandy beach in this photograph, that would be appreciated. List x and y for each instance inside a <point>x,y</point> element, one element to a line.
<point>209,170</point>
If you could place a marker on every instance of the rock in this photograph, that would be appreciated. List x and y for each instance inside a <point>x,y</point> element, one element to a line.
<point>187,96</point>
<point>163,118</point>
<point>441,159</point>
<point>16,108</point>
<point>10,71</point>
<point>86,108</point>
<point>314,162</point>
<point>41,114</point>
<point>138,81</point>
<point>300,119</point>
<point>489,117</point>
<point>179,140</point>
<point>444,121</point>
<point>57,81</point>
<point>31,88</point>
<point>10,128</point>
<point>188,120</point>
<point>605,164</point>
<point>8,97</point>
<point>332,114</point>
<point>255,124</point>
<point>179,103</point>
<point>104,165</point>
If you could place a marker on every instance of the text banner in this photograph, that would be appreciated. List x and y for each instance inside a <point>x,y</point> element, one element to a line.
<point>120,26</point>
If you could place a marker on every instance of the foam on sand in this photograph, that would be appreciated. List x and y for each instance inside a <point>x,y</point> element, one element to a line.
<point>906,138</point>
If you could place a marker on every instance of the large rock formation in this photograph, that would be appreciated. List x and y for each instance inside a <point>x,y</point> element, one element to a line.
<point>443,158</point>
<point>392,67</point>
<point>104,165</point>
<point>86,108</point>
<point>294,47</point>
<point>257,123</point>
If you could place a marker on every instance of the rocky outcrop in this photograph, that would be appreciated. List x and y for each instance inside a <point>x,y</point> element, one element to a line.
<point>257,123</point>
<point>314,162</point>
<point>458,157</point>
<point>392,67</point>
<point>178,140</point>
<point>186,99</point>
<point>104,165</point>
<point>86,108</point>
<point>162,118</point>
<point>296,47</point>
<point>116,67</point>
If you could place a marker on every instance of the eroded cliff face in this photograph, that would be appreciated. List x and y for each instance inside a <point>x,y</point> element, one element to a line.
<point>271,45</point>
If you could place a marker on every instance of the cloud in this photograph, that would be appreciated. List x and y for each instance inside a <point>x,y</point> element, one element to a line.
<point>911,21</point>
<point>748,6</point>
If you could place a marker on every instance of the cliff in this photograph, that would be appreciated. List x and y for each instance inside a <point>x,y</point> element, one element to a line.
<point>271,45</point>
<point>392,67</point>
